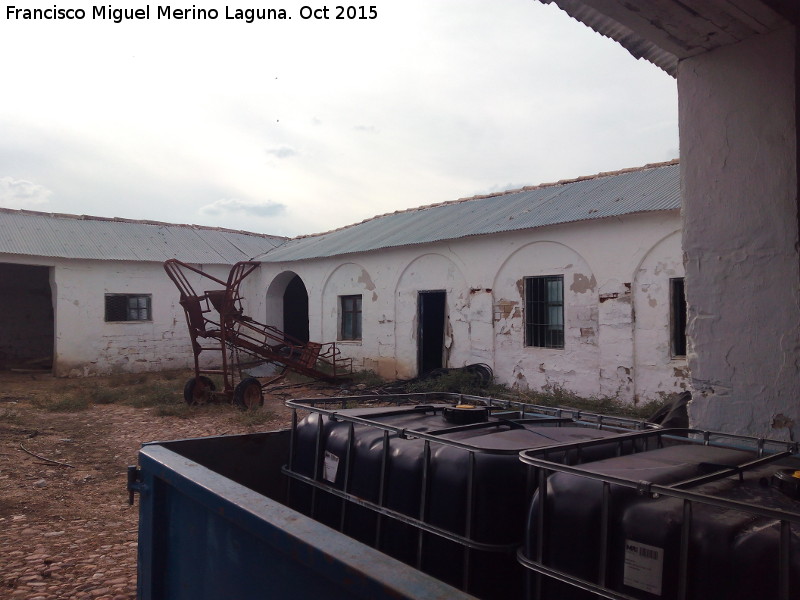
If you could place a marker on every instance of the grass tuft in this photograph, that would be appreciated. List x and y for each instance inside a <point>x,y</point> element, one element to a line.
<point>368,379</point>
<point>609,405</point>
<point>153,394</point>
<point>253,417</point>
<point>172,375</point>
<point>69,403</point>
<point>456,381</point>
<point>103,395</point>
<point>182,411</point>
<point>10,416</point>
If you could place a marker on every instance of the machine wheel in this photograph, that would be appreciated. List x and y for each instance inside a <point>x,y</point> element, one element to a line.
<point>198,390</point>
<point>248,394</point>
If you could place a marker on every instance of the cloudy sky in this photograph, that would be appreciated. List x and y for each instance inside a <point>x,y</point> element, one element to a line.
<point>299,126</point>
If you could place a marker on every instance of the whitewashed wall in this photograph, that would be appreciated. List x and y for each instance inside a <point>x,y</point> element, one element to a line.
<point>615,272</point>
<point>739,179</point>
<point>607,265</point>
<point>85,344</point>
<point>652,341</point>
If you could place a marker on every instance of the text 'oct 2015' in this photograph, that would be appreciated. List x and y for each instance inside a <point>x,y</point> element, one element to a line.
<point>171,13</point>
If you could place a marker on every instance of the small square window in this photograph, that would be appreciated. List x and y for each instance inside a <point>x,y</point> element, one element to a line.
<point>350,328</point>
<point>544,311</point>
<point>128,307</point>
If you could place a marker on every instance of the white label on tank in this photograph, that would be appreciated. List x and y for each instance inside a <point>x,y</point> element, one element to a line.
<point>643,567</point>
<point>331,466</point>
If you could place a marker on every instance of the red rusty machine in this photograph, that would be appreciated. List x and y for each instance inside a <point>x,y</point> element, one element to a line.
<point>217,323</point>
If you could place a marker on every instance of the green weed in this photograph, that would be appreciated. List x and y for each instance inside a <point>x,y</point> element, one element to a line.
<point>172,375</point>
<point>70,403</point>
<point>182,411</point>
<point>153,394</point>
<point>608,405</point>
<point>368,379</point>
<point>455,382</point>
<point>103,395</point>
<point>10,416</point>
<point>253,417</point>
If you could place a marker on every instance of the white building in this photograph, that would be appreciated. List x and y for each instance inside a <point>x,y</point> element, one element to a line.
<point>89,296</point>
<point>577,285</point>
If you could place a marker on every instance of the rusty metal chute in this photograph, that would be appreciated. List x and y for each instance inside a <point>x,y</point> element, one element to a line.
<point>217,323</point>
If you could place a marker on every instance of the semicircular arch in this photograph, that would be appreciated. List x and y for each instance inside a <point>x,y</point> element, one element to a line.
<point>287,305</point>
<point>431,273</point>
<point>574,361</point>
<point>345,280</point>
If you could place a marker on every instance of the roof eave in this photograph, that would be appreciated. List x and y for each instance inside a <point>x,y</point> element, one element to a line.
<point>267,258</point>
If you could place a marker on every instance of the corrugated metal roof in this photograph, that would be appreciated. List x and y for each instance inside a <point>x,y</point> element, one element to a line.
<point>651,188</point>
<point>69,236</point>
<point>667,31</point>
<point>632,42</point>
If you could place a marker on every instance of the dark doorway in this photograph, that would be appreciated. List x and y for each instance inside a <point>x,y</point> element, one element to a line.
<point>26,317</point>
<point>431,309</point>
<point>295,310</point>
<point>677,318</point>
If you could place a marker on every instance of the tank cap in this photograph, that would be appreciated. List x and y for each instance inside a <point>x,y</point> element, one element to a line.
<point>788,482</point>
<point>465,414</point>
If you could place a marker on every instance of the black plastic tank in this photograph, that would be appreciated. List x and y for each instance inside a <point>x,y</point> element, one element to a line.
<point>731,554</point>
<point>410,470</point>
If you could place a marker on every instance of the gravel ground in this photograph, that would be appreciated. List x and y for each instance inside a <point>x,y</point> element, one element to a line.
<point>66,529</point>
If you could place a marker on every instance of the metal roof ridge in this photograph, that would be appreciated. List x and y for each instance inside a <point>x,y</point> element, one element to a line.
<point>528,188</point>
<point>55,215</point>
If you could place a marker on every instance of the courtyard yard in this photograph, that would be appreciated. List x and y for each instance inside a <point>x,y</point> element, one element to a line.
<point>66,529</point>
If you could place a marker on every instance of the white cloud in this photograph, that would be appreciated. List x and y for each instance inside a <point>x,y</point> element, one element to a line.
<point>282,152</point>
<point>430,102</point>
<point>366,128</point>
<point>227,206</point>
<point>19,193</point>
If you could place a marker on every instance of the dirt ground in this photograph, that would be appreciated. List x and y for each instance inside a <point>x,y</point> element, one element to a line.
<point>66,529</point>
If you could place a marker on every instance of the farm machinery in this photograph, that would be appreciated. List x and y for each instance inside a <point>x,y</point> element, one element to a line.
<point>217,323</point>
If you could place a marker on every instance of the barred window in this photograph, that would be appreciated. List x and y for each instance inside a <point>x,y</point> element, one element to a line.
<point>128,307</point>
<point>544,311</point>
<point>350,318</point>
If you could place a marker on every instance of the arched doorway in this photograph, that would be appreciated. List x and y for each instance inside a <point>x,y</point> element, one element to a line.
<point>295,309</point>
<point>287,305</point>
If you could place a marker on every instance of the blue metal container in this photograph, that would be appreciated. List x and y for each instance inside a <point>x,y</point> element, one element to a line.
<point>213,525</point>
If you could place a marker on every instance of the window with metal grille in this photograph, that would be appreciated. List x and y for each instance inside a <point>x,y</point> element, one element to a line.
<point>128,307</point>
<point>677,317</point>
<point>351,318</point>
<point>544,311</point>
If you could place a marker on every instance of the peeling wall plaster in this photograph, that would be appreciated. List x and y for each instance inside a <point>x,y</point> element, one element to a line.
<point>582,284</point>
<point>651,309</point>
<point>484,279</point>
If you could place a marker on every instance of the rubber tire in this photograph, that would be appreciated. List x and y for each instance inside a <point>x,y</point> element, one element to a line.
<point>248,394</point>
<point>198,390</point>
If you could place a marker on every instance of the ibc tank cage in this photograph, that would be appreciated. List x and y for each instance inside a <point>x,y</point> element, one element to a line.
<point>460,516</point>
<point>719,518</point>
